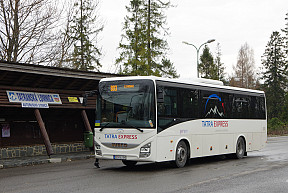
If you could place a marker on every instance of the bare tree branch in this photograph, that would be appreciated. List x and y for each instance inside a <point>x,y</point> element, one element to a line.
<point>29,26</point>
<point>244,70</point>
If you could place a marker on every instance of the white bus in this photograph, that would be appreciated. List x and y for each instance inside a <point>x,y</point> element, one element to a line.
<point>152,119</point>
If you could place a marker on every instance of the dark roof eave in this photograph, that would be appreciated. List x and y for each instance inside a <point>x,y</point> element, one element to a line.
<point>53,71</point>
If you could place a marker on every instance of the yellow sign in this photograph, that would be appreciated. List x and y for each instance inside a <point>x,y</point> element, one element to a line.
<point>73,99</point>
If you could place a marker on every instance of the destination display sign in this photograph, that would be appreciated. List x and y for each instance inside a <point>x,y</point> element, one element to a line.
<point>119,88</point>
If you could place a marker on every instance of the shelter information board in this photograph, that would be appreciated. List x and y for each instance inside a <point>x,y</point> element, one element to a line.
<point>33,99</point>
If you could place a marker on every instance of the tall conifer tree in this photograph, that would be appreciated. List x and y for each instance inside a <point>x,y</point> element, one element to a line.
<point>274,75</point>
<point>284,115</point>
<point>143,49</point>
<point>207,67</point>
<point>86,55</point>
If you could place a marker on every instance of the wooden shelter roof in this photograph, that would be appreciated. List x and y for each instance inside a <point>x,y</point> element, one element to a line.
<point>37,76</point>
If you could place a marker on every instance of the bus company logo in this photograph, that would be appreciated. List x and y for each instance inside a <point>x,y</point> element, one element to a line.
<point>214,110</point>
<point>120,145</point>
<point>111,136</point>
<point>215,123</point>
<point>120,130</point>
<point>120,136</point>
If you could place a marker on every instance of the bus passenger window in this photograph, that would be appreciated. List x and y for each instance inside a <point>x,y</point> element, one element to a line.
<point>188,103</point>
<point>262,108</point>
<point>241,108</point>
<point>169,105</point>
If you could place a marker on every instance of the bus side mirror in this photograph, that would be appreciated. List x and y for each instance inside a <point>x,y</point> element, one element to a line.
<point>88,94</point>
<point>84,101</point>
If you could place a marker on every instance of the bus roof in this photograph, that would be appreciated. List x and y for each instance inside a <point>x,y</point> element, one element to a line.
<point>196,82</point>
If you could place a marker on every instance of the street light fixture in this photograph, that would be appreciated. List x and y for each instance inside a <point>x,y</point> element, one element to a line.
<point>197,49</point>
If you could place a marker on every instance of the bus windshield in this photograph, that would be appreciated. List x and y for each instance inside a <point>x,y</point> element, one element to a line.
<point>127,104</point>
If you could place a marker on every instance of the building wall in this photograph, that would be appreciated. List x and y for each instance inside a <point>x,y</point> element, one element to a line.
<point>36,150</point>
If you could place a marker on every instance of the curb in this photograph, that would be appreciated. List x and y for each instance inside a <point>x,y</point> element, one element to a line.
<point>54,160</point>
<point>31,161</point>
<point>27,163</point>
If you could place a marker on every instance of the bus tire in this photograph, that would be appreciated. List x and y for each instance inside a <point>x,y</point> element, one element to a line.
<point>240,148</point>
<point>129,163</point>
<point>181,156</point>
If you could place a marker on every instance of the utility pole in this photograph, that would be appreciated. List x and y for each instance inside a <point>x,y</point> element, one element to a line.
<point>81,34</point>
<point>149,38</point>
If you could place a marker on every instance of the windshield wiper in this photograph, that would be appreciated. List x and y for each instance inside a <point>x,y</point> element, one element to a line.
<point>126,123</point>
<point>123,123</point>
<point>104,126</point>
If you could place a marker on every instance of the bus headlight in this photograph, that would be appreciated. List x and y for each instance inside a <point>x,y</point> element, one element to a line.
<point>145,150</point>
<point>97,149</point>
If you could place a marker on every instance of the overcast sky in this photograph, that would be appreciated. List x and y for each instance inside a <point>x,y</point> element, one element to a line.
<point>230,22</point>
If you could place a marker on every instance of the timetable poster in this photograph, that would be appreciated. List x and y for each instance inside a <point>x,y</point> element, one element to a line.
<point>5,130</point>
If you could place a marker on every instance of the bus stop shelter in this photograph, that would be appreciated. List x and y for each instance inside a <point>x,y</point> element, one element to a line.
<point>41,109</point>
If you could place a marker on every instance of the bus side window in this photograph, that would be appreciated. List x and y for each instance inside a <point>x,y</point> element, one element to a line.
<point>241,107</point>
<point>170,102</point>
<point>237,108</point>
<point>167,106</point>
<point>254,109</point>
<point>188,103</point>
<point>261,113</point>
<point>227,103</point>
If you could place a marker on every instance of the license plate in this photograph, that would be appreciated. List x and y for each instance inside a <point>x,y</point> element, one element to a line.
<point>119,156</point>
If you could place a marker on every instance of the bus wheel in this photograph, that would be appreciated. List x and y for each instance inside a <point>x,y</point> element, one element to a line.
<point>129,163</point>
<point>181,154</point>
<point>240,148</point>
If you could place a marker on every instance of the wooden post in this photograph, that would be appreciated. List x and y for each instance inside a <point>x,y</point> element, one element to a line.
<point>86,121</point>
<point>44,132</point>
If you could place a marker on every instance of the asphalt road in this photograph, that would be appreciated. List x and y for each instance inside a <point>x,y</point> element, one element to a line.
<point>262,171</point>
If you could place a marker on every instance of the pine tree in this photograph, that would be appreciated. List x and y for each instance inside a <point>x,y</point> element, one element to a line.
<point>284,114</point>
<point>274,76</point>
<point>207,67</point>
<point>132,44</point>
<point>86,55</point>
<point>143,47</point>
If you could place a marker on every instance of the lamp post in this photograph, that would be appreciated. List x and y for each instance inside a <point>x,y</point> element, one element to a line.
<point>197,49</point>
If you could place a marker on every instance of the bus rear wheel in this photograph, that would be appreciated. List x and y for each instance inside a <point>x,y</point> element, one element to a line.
<point>129,163</point>
<point>240,148</point>
<point>181,155</point>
